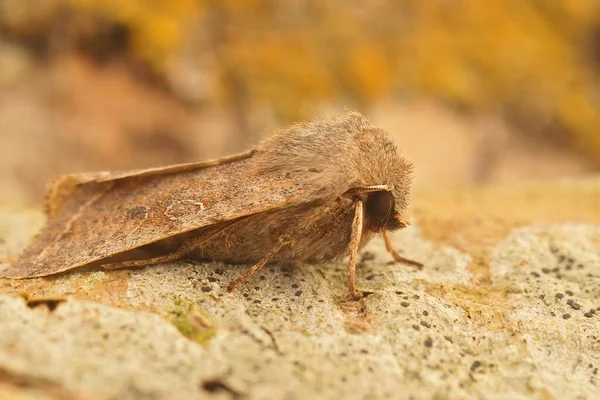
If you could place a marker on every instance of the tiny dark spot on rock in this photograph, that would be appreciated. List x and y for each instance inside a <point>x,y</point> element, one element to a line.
<point>559,295</point>
<point>212,279</point>
<point>262,277</point>
<point>206,288</point>
<point>542,296</point>
<point>428,342</point>
<point>425,324</point>
<point>573,305</point>
<point>257,288</point>
<point>369,277</point>
<point>561,258</point>
<point>285,269</point>
<point>214,386</point>
<point>588,315</point>
<point>566,316</point>
<point>569,267</point>
<point>405,304</point>
<point>553,314</point>
<point>219,271</point>
<point>448,338</point>
<point>568,292</point>
<point>476,364</point>
<point>416,327</point>
<point>51,304</point>
<point>298,293</point>
<point>555,269</point>
<point>546,270</point>
<point>425,313</point>
<point>580,266</point>
<point>571,260</point>
<point>364,351</point>
<point>295,285</point>
<point>535,274</point>
<point>245,294</point>
<point>391,262</point>
<point>367,256</point>
<point>257,301</point>
<point>416,297</point>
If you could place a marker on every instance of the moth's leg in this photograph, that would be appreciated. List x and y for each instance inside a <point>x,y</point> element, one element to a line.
<point>357,228</point>
<point>257,267</point>
<point>397,257</point>
<point>181,251</point>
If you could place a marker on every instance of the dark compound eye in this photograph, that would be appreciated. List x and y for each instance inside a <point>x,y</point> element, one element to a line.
<point>380,205</point>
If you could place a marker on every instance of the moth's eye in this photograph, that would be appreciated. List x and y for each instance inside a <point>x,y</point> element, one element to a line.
<point>380,205</point>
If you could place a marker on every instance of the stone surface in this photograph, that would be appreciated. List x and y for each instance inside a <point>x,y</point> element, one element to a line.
<point>507,307</point>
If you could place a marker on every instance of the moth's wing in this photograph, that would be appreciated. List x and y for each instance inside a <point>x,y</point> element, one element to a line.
<point>100,216</point>
<point>63,187</point>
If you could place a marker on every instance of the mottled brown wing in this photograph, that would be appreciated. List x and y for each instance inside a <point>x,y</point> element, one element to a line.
<point>95,216</point>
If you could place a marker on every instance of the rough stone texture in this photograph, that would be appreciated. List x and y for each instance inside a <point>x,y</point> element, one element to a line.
<point>507,307</point>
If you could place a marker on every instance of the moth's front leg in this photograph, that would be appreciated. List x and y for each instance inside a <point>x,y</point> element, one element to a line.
<point>357,228</point>
<point>397,257</point>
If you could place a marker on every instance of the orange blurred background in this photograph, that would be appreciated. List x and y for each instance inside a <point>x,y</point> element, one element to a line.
<point>474,91</point>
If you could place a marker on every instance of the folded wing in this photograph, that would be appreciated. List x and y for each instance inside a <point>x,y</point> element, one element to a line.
<point>92,217</point>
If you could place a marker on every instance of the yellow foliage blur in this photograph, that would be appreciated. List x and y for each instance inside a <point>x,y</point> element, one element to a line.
<point>158,28</point>
<point>534,61</point>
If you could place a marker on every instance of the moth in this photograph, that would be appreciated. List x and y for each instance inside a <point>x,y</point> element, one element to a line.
<point>314,191</point>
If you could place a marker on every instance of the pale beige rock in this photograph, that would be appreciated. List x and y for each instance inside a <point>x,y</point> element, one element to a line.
<point>486,318</point>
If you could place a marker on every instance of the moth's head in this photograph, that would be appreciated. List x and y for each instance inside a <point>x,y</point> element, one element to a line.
<point>382,166</point>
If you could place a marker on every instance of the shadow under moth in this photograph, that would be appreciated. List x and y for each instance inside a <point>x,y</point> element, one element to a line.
<point>315,191</point>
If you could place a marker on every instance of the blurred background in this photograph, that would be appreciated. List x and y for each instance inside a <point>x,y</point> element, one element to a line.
<point>474,92</point>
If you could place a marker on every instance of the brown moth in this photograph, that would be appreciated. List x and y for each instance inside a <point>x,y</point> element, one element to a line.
<point>315,191</point>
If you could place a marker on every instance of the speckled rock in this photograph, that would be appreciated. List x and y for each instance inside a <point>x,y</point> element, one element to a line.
<point>507,307</point>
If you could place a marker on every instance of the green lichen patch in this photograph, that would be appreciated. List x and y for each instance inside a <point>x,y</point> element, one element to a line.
<point>192,322</point>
